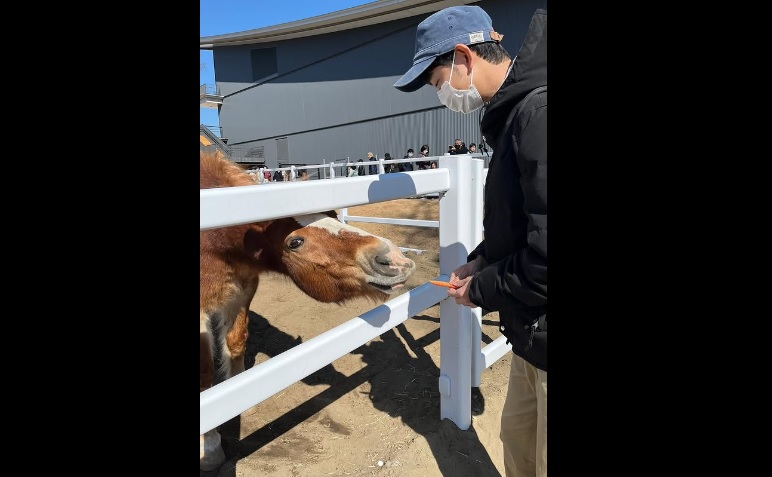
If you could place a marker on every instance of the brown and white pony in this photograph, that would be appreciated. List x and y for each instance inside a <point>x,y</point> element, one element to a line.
<point>330,261</point>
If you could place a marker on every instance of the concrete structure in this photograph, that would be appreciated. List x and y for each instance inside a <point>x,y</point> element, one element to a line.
<point>320,90</point>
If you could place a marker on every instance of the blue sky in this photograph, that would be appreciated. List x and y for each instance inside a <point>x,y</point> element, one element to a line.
<point>217,17</point>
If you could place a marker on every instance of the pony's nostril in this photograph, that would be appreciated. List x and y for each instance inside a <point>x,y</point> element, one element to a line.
<point>381,260</point>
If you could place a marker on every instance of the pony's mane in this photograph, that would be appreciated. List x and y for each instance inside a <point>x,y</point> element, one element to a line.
<point>219,171</point>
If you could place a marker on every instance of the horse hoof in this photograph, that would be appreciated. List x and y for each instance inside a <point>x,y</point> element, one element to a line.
<point>211,453</point>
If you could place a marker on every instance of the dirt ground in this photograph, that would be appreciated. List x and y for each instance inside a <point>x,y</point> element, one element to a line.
<point>376,410</point>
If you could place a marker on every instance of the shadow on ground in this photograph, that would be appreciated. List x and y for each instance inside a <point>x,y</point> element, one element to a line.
<point>387,361</point>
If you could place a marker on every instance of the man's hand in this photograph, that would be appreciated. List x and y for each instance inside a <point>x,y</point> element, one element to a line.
<point>461,277</point>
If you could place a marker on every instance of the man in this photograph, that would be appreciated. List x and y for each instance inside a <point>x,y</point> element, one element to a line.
<point>459,148</point>
<point>373,169</point>
<point>457,51</point>
<point>406,166</point>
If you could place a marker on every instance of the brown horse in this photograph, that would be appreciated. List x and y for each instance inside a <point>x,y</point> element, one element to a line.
<point>330,261</point>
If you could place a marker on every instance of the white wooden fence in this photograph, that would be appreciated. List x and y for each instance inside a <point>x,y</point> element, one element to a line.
<point>462,360</point>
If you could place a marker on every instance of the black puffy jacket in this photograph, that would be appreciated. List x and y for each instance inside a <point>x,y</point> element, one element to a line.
<point>515,222</point>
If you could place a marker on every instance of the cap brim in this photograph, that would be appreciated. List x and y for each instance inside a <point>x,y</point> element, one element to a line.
<point>411,81</point>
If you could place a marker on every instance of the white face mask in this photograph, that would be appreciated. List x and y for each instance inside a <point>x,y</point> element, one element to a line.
<point>409,154</point>
<point>460,100</point>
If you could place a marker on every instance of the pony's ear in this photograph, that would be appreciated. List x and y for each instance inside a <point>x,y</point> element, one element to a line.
<point>254,238</point>
<point>261,226</point>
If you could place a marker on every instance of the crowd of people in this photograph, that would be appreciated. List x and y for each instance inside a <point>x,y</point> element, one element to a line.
<point>263,175</point>
<point>458,147</point>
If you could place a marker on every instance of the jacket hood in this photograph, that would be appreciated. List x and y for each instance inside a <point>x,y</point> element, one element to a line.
<point>528,72</point>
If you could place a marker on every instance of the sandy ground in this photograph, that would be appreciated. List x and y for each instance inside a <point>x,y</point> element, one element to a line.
<point>374,411</point>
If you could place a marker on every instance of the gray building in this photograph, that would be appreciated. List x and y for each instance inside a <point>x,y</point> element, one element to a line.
<point>320,90</point>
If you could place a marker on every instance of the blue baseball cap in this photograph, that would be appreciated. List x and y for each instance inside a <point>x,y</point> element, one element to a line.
<point>439,34</point>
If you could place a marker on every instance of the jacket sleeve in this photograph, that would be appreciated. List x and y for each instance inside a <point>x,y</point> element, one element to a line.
<point>522,276</point>
<point>479,250</point>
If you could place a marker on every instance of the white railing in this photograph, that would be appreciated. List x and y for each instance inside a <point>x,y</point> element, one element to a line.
<point>328,170</point>
<point>344,216</point>
<point>461,358</point>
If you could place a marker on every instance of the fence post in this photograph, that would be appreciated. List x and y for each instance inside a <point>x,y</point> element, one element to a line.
<point>381,168</point>
<point>457,322</point>
<point>478,176</point>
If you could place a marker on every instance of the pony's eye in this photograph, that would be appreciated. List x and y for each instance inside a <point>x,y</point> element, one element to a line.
<point>295,243</point>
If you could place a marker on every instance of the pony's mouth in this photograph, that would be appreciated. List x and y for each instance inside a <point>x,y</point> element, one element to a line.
<point>387,288</point>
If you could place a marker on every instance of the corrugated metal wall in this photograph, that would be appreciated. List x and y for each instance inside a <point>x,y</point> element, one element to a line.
<point>333,96</point>
<point>438,128</point>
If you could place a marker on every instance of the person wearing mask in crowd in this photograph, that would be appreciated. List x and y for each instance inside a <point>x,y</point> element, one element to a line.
<point>459,147</point>
<point>472,148</point>
<point>373,170</point>
<point>406,166</point>
<point>388,168</point>
<point>458,53</point>
<point>424,153</point>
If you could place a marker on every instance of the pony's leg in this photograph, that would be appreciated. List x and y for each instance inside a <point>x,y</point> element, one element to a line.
<point>207,363</point>
<point>233,322</point>
<point>236,339</point>
<point>211,455</point>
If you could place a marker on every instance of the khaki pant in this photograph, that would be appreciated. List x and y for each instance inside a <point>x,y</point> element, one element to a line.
<point>524,421</point>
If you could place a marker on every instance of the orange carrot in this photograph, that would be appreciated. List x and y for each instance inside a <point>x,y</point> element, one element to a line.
<point>442,284</point>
